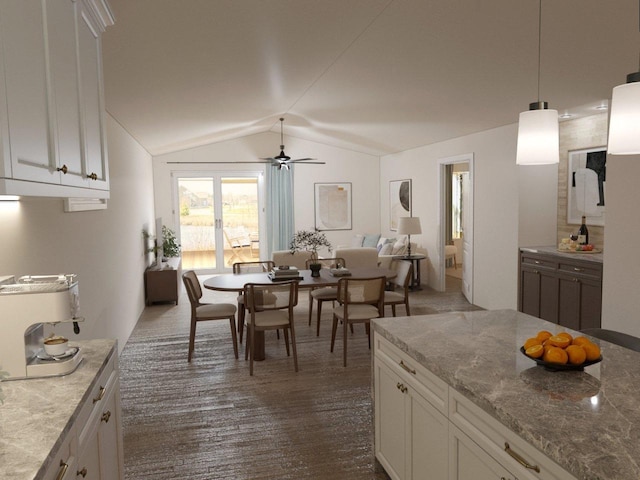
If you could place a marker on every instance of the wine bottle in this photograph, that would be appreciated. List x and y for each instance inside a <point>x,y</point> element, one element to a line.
<point>583,233</point>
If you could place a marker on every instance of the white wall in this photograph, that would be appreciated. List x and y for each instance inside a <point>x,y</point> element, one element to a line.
<point>104,248</point>
<point>621,302</point>
<point>341,166</point>
<point>538,191</point>
<point>497,187</point>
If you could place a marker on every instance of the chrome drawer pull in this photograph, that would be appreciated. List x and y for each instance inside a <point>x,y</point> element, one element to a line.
<point>519,459</point>
<point>410,370</point>
<point>82,473</point>
<point>62,471</point>
<point>576,269</point>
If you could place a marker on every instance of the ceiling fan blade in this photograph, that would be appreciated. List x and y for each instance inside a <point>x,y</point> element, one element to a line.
<point>213,163</point>
<point>303,160</point>
<point>309,163</point>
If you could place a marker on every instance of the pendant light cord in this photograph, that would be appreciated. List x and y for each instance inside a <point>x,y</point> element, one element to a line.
<point>539,43</point>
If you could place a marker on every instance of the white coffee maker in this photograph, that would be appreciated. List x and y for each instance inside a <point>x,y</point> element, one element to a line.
<point>26,306</point>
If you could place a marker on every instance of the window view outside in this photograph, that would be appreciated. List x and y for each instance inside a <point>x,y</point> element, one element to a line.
<point>208,240</point>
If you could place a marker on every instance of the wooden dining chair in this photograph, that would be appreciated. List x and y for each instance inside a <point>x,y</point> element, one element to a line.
<point>248,267</point>
<point>270,307</point>
<point>404,271</point>
<point>361,299</point>
<point>206,311</point>
<point>323,294</point>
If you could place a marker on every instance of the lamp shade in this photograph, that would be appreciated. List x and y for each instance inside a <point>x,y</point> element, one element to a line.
<point>624,128</point>
<point>409,226</point>
<point>538,138</point>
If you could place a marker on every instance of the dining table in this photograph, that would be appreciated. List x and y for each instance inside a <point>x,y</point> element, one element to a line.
<point>235,282</point>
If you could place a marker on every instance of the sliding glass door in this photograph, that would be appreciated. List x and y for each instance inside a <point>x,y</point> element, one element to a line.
<point>219,218</point>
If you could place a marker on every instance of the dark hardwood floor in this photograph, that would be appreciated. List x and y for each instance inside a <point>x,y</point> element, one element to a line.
<point>210,420</point>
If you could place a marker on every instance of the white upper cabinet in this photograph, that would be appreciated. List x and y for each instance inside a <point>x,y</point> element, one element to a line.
<point>53,138</point>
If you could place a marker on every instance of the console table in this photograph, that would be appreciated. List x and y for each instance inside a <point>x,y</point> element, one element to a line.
<point>163,285</point>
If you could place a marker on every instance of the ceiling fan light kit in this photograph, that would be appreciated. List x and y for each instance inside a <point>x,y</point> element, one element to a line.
<point>538,129</point>
<point>282,160</point>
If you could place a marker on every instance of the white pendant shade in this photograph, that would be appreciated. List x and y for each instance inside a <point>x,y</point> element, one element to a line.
<point>624,129</point>
<point>538,138</point>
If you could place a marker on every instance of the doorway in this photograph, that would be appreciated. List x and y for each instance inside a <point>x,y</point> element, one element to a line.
<point>456,225</point>
<point>219,218</point>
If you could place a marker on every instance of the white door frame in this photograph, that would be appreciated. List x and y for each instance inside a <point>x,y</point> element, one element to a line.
<point>216,175</point>
<point>467,247</point>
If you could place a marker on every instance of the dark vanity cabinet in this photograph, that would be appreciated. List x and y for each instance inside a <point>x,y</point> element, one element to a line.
<point>563,288</point>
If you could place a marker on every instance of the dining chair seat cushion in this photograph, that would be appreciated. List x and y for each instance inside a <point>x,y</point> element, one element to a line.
<point>272,318</point>
<point>215,310</point>
<point>326,293</point>
<point>357,312</point>
<point>393,297</point>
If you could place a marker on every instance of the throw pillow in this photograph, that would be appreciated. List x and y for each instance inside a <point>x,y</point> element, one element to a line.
<point>386,249</point>
<point>356,241</point>
<point>399,248</point>
<point>370,241</point>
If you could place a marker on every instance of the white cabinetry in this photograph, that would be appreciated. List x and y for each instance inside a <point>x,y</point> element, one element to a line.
<point>53,138</point>
<point>411,428</point>
<point>100,439</point>
<point>426,429</point>
<point>63,466</point>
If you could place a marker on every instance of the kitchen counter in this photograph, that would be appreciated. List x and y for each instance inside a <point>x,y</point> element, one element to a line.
<point>37,414</point>
<point>587,422</point>
<point>591,257</point>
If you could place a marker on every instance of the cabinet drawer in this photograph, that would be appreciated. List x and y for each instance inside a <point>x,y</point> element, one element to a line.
<point>429,386</point>
<point>496,439</point>
<point>98,392</point>
<point>536,261</point>
<point>581,269</point>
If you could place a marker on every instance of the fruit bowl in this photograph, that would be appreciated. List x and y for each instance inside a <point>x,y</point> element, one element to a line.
<point>557,367</point>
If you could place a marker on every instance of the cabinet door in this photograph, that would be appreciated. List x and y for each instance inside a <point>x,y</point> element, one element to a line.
<point>428,431</point>
<point>26,79</point>
<point>539,294</point>
<point>530,292</point>
<point>63,65</point>
<point>109,438</point>
<point>390,421</point>
<point>91,100</point>
<point>590,304</point>
<point>569,302</point>
<point>469,462</point>
<point>89,457</point>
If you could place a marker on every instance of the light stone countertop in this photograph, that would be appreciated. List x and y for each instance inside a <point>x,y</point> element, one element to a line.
<point>37,414</point>
<point>587,422</point>
<point>590,257</point>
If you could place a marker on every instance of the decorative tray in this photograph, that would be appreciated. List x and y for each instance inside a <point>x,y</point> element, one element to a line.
<point>595,250</point>
<point>558,367</point>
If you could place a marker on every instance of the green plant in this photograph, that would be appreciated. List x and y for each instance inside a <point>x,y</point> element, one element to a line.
<point>170,245</point>
<point>3,375</point>
<point>309,241</point>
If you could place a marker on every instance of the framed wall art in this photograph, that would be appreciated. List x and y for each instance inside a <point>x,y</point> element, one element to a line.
<point>333,206</point>
<point>586,186</point>
<point>399,201</point>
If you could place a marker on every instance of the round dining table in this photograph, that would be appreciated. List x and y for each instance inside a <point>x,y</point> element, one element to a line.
<point>235,282</point>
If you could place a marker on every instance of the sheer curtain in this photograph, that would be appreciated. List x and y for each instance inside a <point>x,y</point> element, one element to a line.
<point>279,208</point>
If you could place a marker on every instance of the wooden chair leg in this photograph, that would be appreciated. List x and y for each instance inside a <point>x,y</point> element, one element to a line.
<point>393,309</point>
<point>344,343</point>
<point>333,331</point>
<point>247,344</point>
<point>318,321</point>
<point>293,346</point>
<point>241,312</point>
<point>234,338</point>
<point>406,305</point>
<point>367,327</point>
<point>311,306</point>
<point>252,348</point>
<point>286,340</point>
<point>192,338</point>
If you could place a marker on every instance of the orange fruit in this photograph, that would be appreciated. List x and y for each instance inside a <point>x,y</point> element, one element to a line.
<point>531,342</point>
<point>535,351</point>
<point>577,354</point>
<point>592,350</point>
<point>565,334</point>
<point>559,341</point>
<point>556,355</point>
<point>580,341</point>
<point>543,335</point>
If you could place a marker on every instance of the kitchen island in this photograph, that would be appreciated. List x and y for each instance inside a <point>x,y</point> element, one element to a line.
<point>461,367</point>
<point>53,428</point>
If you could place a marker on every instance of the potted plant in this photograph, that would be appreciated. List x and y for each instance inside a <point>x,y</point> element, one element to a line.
<point>170,246</point>
<point>310,241</point>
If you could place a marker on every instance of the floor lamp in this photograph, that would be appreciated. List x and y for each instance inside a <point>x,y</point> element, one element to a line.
<point>409,226</point>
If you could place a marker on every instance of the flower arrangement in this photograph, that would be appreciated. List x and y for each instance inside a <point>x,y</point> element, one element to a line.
<point>310,241</point>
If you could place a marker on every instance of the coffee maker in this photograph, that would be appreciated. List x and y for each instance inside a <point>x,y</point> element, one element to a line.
<point>27,305</point>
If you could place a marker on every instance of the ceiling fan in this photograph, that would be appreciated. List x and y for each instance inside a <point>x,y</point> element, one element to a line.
<point>282,160</point>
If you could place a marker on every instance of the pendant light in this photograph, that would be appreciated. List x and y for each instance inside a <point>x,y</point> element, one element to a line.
<point>538,132</point>
<point>624,126</point>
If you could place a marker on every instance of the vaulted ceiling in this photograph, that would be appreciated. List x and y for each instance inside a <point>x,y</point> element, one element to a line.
<point>374,76</point>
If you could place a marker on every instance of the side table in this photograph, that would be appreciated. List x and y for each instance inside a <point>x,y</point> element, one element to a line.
<point>415,261</point>
<point>163,285</point>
